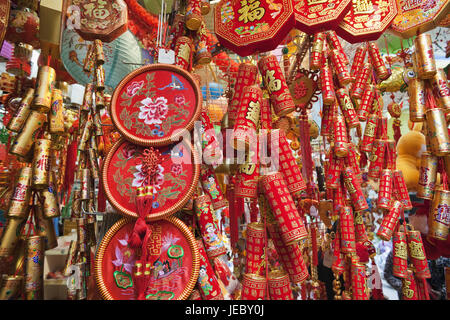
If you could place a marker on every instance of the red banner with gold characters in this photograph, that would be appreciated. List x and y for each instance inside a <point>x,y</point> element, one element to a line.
<point>418,16</point>
<point>249,26</point>
<point>318,15</point>
<point>367,20</point>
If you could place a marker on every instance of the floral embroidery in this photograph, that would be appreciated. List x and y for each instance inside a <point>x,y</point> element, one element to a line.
<point>176,169</point>
<point>134,88</point>
<point>140,177</point>
<point>125,261</point>
<point>128,151</point>
<point>180,100</point>
<point>153,112</point>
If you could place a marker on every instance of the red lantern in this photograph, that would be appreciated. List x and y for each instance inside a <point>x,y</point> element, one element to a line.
<point>247,27</point>
<point>367,20</point>
<point>316,15</point>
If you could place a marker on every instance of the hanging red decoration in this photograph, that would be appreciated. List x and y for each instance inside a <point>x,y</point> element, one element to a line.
<point>247,27</point>
<point>367,20</point>
<point>418,16</point>
<point>317,15</point>
<point>104,20</point>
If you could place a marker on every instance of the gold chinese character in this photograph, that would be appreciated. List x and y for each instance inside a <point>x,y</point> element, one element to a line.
<point>250,11</point>
<point>253,112</point>
<point>363,6</point>
<point>273,84</point>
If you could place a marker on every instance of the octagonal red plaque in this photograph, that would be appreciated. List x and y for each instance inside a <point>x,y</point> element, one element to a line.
<point>250,26</point>
<point>367,20</point>
<point>312,16</point>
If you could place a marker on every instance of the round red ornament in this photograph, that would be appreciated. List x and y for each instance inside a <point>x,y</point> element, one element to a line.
<point>319,15</point>
<point>251,26</point>
<point>152,104</point>
<point>172,254</point>
<point>176,178</point>
<point>367,20</point>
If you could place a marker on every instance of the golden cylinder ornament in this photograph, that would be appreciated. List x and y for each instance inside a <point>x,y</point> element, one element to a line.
<point>425,56</point>
<point>24,141</point>
<point>19,203</point>
<point>439,215</point>
<point>43,95</point>
<point>56,114</point>
<point>20,117</point>
<point>41,164</point>
<point>438,132</point>
<point>34,268</point>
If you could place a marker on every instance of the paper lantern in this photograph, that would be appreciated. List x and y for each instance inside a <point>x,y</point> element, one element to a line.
<point>176,178</point>
<point>367,20</point>
<point>104,20</point>
<point>420,16</point>
<point>318,15</point>
<point>247,27</point>
<point>172,252</point>
<point>122,56</point>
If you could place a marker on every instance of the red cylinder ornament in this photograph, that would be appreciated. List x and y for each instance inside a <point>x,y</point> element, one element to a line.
<point>369,133</point>
<point>207,283</point>
<point>409,287</point>
<point>390,221</point>
<point>358,59</point>
<point>209,230</point>
<point>361,81</point>
<point>354,189</point>
<point>376,159</point>
<point>417,255</point>
<point>275,83</point>
<point>246,76</point>
<point>212,187</point>
<point>340,136</point>
<point>327,87</point>
<point>400,190</point>
<point>347,230</point>
<point>380,68</point>
<point>266,114</point>
<point>400,255</point>
<point>347,108</point>
<point>367,99</point>
<point>183,52</point>
<point>253,287</point>
<point>279,286</point>
<point>333,177</point>
<point>385,189</point>
<point>247,118</point>
<point>255,245</point>
<point>315,60</point>
<point>288,165</point>
<point>283,208</point>
<point>359,286</point>
<point>290,255</point>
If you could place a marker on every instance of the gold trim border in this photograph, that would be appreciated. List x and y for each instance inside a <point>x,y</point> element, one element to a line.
<point>160,141</point>
<point>98,275</point>
<point>165,213</point>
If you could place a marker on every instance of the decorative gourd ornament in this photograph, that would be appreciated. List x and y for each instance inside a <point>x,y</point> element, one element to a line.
<point>410,147</point>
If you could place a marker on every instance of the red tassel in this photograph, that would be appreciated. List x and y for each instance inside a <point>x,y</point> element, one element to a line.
<point>71,158</point>
<point>396,128</point>
<point>234,228</point>
<point>363,160</point>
